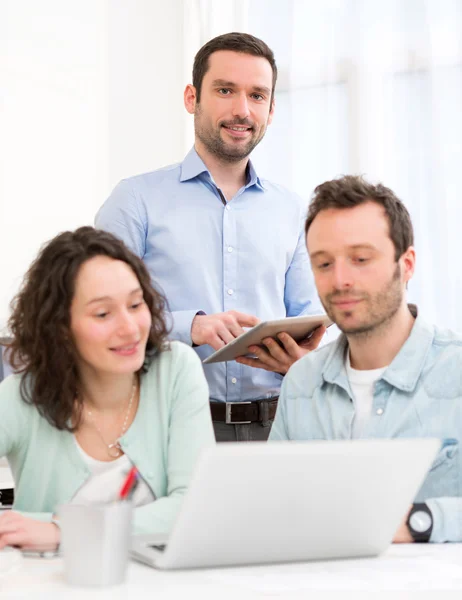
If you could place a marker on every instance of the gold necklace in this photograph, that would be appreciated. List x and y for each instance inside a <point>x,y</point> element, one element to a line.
<point>114,449</point>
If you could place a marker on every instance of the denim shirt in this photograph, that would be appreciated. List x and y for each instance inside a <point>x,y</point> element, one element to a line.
<point>418,395</point>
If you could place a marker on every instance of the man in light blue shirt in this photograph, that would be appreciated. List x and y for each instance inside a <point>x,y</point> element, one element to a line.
<point>226,247</point>
<point>390,374</point>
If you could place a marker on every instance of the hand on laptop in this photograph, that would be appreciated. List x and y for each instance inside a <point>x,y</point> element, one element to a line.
<point>26,533</point>
<point>279,358</point>
<point>403,535</point>
<point>221,328</point>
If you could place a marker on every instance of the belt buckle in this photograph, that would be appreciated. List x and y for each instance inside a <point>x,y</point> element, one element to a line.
<point>228,420</point>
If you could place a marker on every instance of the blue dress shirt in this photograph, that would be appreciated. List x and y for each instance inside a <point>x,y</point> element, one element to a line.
<point>418,395</point>
<point>210,255</point>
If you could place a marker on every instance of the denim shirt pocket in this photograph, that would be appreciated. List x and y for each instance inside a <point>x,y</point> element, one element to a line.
<point>443,477</point>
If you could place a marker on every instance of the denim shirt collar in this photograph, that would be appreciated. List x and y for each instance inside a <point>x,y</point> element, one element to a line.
<point>404,370</point>
<point>193,166</point>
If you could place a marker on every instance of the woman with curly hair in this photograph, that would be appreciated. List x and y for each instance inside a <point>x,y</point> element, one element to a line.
<point>97,387</point>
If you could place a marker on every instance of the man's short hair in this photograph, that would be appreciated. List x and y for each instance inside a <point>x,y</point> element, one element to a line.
<point>236,42</point>
<point>352,190</point>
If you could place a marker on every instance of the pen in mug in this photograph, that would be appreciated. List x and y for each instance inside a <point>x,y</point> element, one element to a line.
<point>128,484</point>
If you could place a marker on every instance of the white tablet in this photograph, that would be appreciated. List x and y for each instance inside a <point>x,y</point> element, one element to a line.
<point>297,327</point>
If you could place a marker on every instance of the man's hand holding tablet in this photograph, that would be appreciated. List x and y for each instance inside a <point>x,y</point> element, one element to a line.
<point>275,345</point>
<point>271,356</point>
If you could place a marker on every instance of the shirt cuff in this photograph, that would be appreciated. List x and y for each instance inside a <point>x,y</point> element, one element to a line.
<point>182,323</point>
<point>447,519</point>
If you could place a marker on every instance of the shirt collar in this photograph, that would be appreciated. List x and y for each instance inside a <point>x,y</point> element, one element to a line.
<point>252,177</point>
<point>193,166</point>
<point>404,370</point>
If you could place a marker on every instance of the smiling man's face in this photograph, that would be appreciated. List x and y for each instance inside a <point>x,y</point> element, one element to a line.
<point>235,105</point>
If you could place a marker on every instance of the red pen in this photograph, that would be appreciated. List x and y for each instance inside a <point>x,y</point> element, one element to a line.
<point>131,493</point>
<point>128,483</point>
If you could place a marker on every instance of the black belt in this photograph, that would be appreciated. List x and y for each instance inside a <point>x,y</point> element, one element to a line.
<point>235,413</point>
<point>6,497</point>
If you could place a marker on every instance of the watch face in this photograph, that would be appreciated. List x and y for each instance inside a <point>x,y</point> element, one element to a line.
<point>420,521</point>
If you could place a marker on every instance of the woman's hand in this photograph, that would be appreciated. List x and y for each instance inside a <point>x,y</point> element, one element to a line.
<point>30,534</point>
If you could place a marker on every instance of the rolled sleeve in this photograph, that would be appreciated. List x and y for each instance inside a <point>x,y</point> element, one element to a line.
<point>300,296</point>
<point>447,519</point>
<point>120,215</point>
<point>180,323</point>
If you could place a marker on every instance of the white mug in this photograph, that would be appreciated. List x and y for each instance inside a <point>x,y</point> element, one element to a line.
<point>95,542</point>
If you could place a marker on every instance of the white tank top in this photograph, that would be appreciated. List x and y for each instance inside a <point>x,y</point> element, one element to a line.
<point>106,480</point>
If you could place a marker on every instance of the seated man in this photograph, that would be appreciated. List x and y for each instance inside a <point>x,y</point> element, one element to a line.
<point>390,374</point>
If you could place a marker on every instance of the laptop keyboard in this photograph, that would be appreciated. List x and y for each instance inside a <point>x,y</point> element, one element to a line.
<point>160,547</point>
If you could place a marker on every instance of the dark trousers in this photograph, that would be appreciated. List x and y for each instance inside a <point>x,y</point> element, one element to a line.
<point>245,432</point>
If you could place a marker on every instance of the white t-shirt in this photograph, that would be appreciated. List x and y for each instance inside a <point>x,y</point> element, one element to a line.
<point>106,480</point>
<point>362,386</point>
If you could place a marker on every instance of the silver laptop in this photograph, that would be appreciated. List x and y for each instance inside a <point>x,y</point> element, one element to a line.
<point>251,503</point>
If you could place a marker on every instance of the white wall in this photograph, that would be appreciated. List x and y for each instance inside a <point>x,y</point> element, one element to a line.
<point>90,92</point>
<point>146,82</point>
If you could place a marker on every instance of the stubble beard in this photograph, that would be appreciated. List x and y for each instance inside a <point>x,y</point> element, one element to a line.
<point>383,306</point>
<point>215,145</point>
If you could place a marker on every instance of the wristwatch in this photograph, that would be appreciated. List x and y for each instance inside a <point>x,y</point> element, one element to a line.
<point>420,522</point>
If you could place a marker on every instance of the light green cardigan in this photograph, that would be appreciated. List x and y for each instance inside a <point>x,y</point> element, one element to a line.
<point>170,428</point>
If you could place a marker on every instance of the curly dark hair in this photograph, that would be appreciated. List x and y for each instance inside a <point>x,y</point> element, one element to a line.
<point>42,348</point>
<point>352,190</point>
<point>236,42</point>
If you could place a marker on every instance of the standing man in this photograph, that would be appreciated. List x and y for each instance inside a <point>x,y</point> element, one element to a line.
<point>226,247</point>
<point>390,374</point>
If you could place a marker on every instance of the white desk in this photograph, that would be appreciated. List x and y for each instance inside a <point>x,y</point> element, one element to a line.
<point>411,572</point>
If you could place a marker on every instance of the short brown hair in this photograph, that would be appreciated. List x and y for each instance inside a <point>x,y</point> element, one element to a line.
<point>352,190</point>
<point>42,348</point>
<point>236,42</point>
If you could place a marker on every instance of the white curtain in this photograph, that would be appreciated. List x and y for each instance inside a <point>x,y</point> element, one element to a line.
<point>375,88</point>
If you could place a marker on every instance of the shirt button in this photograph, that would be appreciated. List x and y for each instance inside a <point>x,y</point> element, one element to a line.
<point>228,207</point>
<point>380,411</point>
<point>230,292</point>
<point>230,248</point>
<point>233,380</point>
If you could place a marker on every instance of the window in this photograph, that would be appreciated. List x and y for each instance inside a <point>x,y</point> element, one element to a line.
<point>375,88</point>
